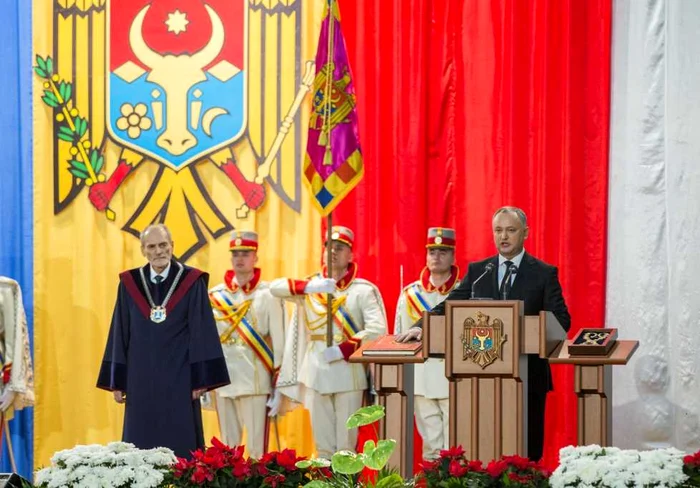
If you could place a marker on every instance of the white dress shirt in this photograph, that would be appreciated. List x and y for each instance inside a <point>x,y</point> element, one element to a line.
<point>502,267</point>
<point>163,273</point>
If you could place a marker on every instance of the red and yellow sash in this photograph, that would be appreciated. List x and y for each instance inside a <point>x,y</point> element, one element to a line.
<point>416,302</point>
<point>341,316</point>
<point>236,318</point>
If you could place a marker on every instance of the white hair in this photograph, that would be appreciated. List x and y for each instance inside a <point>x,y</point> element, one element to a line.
<point>162,227</point>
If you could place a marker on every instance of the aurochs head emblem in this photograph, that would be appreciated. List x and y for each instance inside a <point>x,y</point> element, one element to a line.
<point>176,87</point>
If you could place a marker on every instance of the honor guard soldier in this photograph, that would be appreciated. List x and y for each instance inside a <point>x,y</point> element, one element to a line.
<point>437,279</point>
<point>250,322</point>
<point>315,374</point>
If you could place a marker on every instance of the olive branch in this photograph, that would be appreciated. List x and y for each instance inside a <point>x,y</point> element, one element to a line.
<point>87,162</point>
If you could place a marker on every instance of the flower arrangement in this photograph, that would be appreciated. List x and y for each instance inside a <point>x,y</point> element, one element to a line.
<point>117,465</point>
<point>225,467</point>
<point>610,467</point>
<point>453,470</point>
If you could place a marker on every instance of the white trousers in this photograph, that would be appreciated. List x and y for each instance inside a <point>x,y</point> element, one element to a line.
<point>328,416</point>
<point>433,422</point>
<point>247,412</point>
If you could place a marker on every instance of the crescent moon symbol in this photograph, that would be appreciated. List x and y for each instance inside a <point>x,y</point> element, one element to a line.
<point>209,117</point>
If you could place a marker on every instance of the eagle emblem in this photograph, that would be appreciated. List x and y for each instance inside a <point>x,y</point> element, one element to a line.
<point>482,342</point>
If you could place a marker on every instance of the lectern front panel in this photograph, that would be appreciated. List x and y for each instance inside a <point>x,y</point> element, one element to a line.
<point>485,341</point>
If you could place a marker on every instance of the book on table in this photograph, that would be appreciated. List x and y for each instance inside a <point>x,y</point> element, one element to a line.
<point>387,346</point>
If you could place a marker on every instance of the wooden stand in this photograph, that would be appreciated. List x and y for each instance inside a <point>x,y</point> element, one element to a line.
<point>488,397</point>
<point>593,386</point>
<point>393,382</point>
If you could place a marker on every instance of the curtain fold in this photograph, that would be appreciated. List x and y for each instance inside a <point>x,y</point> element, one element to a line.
<point>653,289</point>
<point>468,106</point>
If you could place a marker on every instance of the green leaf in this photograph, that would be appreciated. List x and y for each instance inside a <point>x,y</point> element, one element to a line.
<point>41,72</point>
<point>318,484</point>
<point>40,61</point>
<point>98,165</point>
<point>365,416</point>
<point>376,456</point>
<point>78,174</point>
<point>49,65</point>
<point>313,463</point>
<point>79,165</point>
<point>62,90</point>
<point>392,481</point>
<point>65,137</point>
<point>80,126</point>
<point>346,462</point>
<point>64,129</point>
<point>50,100</point>
<point>69,92</point>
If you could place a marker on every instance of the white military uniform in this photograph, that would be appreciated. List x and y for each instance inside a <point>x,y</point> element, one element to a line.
<point>15,360</point>
<point>251,327</point>
<point>431,386</point>
<point>330,391</point>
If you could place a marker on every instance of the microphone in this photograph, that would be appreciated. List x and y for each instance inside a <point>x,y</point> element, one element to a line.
<point>489,268</point>
<point>512,269</point>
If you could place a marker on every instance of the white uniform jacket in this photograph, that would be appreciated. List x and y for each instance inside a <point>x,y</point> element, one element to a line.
<point>359,316</point>
<point>421,295</point>
<point>250,322</point>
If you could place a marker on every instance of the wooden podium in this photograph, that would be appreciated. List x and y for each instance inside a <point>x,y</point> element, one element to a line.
<point>393,382</point>
<point>485,344</point>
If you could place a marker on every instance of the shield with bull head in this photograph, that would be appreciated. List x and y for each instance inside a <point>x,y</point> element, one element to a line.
<point>176,82</point>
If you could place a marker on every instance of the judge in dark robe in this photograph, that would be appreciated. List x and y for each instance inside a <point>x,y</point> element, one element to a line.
<point>536,283</point>
<point>163,350</point>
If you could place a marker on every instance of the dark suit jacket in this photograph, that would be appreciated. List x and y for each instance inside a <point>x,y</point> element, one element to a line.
<point>537,284</point>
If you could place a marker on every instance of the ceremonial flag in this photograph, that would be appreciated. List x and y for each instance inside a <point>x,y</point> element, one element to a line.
<point>333,163</point>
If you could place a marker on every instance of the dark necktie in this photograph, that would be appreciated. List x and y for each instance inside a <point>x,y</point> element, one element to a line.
<point>505,284</point>
<point>157,294</point>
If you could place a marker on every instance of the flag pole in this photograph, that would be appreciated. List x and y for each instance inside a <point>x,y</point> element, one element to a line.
<point>328,159</point>
<point>329,297</point>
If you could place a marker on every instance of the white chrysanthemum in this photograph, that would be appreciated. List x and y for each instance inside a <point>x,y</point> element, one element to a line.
<point>58,478</point>
<point>116,465</point>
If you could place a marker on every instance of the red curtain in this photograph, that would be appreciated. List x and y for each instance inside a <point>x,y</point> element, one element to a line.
<point>468,105</point>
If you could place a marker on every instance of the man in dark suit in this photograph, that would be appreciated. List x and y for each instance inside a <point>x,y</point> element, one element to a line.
<point>531,280</point>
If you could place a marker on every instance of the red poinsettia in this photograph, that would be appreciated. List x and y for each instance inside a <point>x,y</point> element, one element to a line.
<point>454,470</point>
<point>223,466</point>
<point>691,467</point>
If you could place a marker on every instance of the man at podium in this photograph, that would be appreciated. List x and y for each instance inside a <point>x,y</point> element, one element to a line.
<point>513,274</point>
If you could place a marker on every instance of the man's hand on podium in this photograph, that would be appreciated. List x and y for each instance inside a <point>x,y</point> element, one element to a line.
<point>198,393</point>
<point>412,334</point>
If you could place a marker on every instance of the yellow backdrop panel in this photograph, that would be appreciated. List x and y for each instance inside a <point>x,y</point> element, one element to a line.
<point>79,251</point>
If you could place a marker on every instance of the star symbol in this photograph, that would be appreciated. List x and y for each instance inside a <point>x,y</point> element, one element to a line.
<point>177,22</point>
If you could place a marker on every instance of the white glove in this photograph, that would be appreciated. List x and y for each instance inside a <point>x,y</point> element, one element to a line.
<point>6,399</point>
<point>332,353</point>
<point>274,402</point>
<point>320,285</point>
